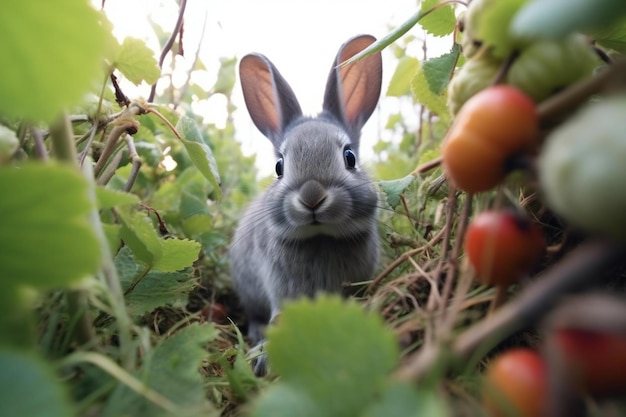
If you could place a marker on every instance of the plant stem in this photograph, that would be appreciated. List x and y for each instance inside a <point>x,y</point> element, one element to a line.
<point>110,277</point>
<point>578,270</point>
<point>556,105</point>
<point>168,45</point>
<point>62,137</point>
<point>40,146</point>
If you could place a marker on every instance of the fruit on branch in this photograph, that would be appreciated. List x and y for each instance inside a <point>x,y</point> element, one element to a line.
<point>582,168</point>
<point>515,383</point>
<point>491,128</point>
<point>474,76</point>
<point>547,66</point>
<point>502,246</point>
<point>595,360</point>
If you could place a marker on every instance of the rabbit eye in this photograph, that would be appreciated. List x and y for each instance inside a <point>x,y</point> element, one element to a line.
<point>279,167</point>
<point>349,157</point>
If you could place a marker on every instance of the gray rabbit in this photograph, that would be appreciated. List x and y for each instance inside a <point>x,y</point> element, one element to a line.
<point>314,229</point>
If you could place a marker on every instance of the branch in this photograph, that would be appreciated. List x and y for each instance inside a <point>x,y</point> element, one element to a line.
<point>168,45</point>
<point>579,269</point>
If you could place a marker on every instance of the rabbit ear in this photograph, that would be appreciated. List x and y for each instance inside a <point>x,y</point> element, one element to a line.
<point>352,91</point>
<point>270,100</point>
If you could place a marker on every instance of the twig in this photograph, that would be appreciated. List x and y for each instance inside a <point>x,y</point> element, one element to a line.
<point>427,166</point>
<point>185,86</point>
<point>579,92</point>
<point>168,45</point>
<point>451,274</point>
<point>136,163</point>
<point>504,68</point>
<point>109,275</point>
<point>125,123</point>
<point>120,97</point>
<point>578,270</point>
<point>400,260</point>
<point>62,137</point>
<point>40,146</point>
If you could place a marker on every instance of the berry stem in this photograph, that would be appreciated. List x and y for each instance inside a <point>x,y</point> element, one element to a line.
<point>551,109</point>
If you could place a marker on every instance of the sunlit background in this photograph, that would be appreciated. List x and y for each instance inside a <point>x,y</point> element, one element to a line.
<point>300,38</point>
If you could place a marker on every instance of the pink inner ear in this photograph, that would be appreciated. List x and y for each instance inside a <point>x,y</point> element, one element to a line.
<point>261,101</point>
<point>354,88</point>
<point>356,78</point>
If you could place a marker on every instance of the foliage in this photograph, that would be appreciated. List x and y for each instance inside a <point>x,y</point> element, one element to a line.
<point>116,219</point>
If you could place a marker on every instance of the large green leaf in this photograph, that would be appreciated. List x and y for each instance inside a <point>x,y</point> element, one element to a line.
<point>199,152</point>
<point>394,188</point>
<point>400,83</point>
<point>108,198</point>
<point>139,234</point>
<point>441,22</point>
<point>611,36</point>
<point>52,52</point>
<point>557,18</point>
<point>177,254</point>
<point>28,388</point>
<point>171,370</point>
<point>331,352</point>
<point>402,399</point>
<point>155,289</point>
<point>45,240</point>
<point>166,255</point>
<point>136,61</point>
<point>438,71</point>
<point>427,98</point>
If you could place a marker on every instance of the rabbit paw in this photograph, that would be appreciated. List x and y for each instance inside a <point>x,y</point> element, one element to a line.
<point>259,359</point>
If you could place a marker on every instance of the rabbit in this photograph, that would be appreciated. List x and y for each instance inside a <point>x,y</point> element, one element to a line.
<point>315,228</point>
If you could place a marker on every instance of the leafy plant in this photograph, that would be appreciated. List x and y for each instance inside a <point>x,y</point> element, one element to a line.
<point>117,212</point>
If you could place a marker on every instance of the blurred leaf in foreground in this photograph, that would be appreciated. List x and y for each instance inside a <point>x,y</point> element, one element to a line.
<point>331,355</point>
<point>52,52</point>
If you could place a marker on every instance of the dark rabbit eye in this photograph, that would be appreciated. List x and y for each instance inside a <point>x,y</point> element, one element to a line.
<point>349,157</point>
<point>279,167</point>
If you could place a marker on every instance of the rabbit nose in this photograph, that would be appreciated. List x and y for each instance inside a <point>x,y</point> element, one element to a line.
<point>312,194</point>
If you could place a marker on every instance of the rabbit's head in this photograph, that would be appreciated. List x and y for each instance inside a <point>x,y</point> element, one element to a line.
<point>320,188</point>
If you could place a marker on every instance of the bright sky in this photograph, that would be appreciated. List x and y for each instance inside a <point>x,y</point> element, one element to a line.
<point>300,38</point>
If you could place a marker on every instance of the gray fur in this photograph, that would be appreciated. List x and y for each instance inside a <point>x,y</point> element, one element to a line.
<point>314,229</point>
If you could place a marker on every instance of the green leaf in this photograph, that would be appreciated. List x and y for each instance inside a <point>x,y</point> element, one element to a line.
<point>283,400</point>
<point>611,36</point>
<point>171,370</point>
<point>192,205</point>
<point>557,18</point>
<point>176,255</point>
<point>402,399</point>
<point>109,198</point>
<point>440,22</point>
<point>241,379</point>
<point>156,289</point>
<point>53,52</point>
<point>438,71</point>
<point>199,152</point>
<point>226,76</point>
<point>137,62</point>
<point>45,240</point>
<point>333,351</point>
<point>394,188</point>
<point>139,234</point>
<point>113,236</point>
<point>30,388</point>
<point>423,95</point>
<point>494,28</point>
<point>400,83</point>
